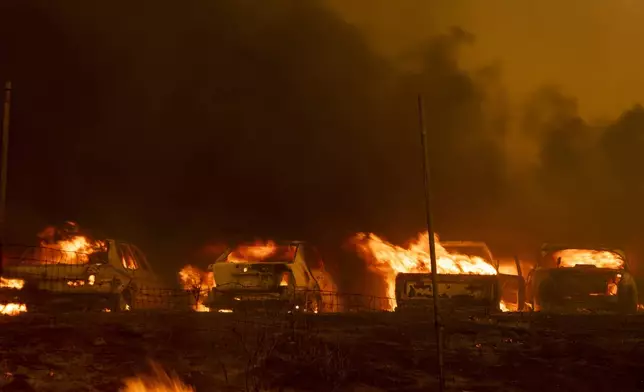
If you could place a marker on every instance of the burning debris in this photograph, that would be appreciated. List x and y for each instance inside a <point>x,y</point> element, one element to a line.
<point>12,309</point>
<point>12,283</point>
<point>159,381</point>
<point>198,282</point>
<point>389,260</point>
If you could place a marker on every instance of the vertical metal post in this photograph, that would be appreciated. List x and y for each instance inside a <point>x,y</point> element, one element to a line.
<point>432,245</point>
<point>3,173</point>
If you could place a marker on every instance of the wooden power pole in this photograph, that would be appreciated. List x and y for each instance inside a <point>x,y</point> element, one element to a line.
<point>432,245</point>
<point>3,173</point>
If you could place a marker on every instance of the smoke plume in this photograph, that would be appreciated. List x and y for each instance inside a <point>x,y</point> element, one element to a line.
<point>173,126</point>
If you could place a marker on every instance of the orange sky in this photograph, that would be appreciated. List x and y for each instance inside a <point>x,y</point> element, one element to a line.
<point>594,49</point>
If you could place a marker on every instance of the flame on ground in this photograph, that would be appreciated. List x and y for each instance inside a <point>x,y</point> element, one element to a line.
<point>11,283</point>
<point>198,282</point>
<point>389,260</point>
<point>598,258</point>
<point>12,309</point>
<point>252,253</point>
<point>158,381</point>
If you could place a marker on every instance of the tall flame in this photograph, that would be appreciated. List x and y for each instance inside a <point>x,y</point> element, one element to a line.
<point>598,258</point>
<point>389,260</point>
<point>61,246</point>
<point>252,253</point>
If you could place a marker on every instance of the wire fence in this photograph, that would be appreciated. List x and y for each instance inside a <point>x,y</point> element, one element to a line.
<point>47,279</point>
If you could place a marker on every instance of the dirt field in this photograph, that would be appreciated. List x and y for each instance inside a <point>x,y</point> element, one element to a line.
<point>368,352</point>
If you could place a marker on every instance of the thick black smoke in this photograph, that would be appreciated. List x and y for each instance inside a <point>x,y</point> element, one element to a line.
<point>174,125</point>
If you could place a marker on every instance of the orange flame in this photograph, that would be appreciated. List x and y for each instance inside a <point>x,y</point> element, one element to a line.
<point>11,283</point>
<point>598,258</point>
<point>73,249</point>
<point>389,260</point>
<point>252,253</point>
<point>197,281</point>
<point>12,309</point>
<point>160,381</point>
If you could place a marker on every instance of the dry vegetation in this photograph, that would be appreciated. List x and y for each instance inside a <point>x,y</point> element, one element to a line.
<point>369,352</point>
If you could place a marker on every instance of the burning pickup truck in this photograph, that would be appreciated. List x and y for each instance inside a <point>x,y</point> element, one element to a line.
<point>468,275</point>
<point>572,279</point>
<point>260,276</point>
<point>76,272</point>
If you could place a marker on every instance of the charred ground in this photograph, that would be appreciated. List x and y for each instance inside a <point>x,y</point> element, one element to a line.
<point>370,352</point>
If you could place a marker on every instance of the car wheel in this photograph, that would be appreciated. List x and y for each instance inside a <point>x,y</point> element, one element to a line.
<point>627,301</point>
<point>545,296</point>
<point>122,301</point>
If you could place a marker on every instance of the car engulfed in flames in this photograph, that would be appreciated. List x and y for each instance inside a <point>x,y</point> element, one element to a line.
<point>262,275</point>
<point>468,277</point>
<point>70,270</point>
<point>569,279</point>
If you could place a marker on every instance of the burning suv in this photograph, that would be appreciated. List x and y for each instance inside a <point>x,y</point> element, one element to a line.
<point>571,279</point>
<point>468,278</point>
<point>265,276</point>
<point>75,272</point>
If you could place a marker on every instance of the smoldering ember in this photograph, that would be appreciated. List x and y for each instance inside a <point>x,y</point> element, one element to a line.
<point>321,195</point>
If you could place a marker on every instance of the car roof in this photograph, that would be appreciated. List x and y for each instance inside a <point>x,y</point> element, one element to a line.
<point>548,248</point>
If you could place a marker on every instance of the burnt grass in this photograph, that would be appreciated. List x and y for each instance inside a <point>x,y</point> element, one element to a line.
<point>350,352</point>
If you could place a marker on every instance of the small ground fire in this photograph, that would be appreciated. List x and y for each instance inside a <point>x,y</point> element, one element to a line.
<point>158,381</point>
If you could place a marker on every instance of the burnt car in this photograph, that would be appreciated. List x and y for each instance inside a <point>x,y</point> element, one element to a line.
<point>111,276</point>
<point>469,280</point>
<point>266,276</point>
<point>581,278</point>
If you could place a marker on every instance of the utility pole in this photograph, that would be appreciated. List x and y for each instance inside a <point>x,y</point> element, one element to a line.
<point>3,172</point>
<point>432,245</point>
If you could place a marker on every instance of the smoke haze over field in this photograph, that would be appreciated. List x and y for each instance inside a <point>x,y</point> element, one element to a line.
<point>175,126</point>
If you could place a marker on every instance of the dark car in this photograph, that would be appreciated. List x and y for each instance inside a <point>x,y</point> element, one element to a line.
<point>581,279</point>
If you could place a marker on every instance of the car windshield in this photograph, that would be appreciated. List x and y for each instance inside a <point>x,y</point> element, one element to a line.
<point>264,252</point>
<point>600,258</point>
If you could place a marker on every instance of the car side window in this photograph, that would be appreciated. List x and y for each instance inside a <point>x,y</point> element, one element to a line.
<point>139,257</point>
<point>127,258</point>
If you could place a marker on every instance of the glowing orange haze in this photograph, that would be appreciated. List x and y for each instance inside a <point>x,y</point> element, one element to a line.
<point>598,258</point>
<point>389,260</point>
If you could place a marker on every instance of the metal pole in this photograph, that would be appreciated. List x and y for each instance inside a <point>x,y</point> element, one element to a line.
<point>432,245</point>
<point>3,173</point>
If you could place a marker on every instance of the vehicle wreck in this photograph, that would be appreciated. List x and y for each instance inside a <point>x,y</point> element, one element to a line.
<point>279,276</point>
<point>468,275</point>
<point>581,279</point>
<point>71,271</point>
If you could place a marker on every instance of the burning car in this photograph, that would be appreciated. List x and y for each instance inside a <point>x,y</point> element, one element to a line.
<point>75,271</point>
<point>571,279</point>
<point>266,275</point>
<point>468,275</point>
